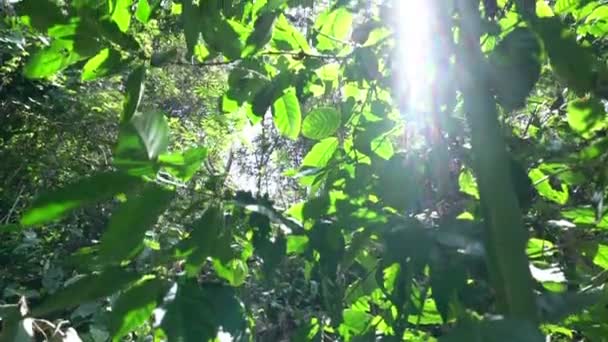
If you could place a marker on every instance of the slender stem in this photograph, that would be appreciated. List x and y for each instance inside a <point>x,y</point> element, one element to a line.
<point>505,231</point>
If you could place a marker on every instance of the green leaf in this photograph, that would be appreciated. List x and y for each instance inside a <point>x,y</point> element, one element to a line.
<point>382,147</point>
<point>52,59</point>
<point>102,64</point>
<point>321,123</point>
<point>287,38</point>
<point>331,27</point>
<point>586,116</point>
<point>135,306</point>
<point>53,205</point>
<point>144,11</point>
<point>153,129</point>
<point>122,14</point>
<point>135,91</point>
<point>297,244</point>
<point>601,256</point>
<point>40,14</point>
<point>566,6</point>
<point>544,188</point>
<point>235,271</point>
<point>321,153</point>
<point>88,288</point>
<point>355,321</point>
<point>468,184</point>
<point>191,21</point>
<point>220,35</point>
<point>262,32</point>
<point>140,142</point>
<point>184,165</point>
<point>286,113</point>
<point>194,313</point>
<point>129,223</point>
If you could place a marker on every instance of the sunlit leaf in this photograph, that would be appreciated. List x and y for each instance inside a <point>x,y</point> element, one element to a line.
<point>321,153</point>
<point>321,123</point>
<point>144,11</point>
<point>102,64</point>
<point>546,190</point>
<point>122,14</point>
<point>184,165</point>
<point>586,116</point>
<point>287,37</point>
<point>52,59</point>
<point>332,28</point>
<point>468,184</point>
<point>287,115</point>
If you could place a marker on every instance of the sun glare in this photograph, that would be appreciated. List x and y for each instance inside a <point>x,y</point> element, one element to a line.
<point>415,21</point>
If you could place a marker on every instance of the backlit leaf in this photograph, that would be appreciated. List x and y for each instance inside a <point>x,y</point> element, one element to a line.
<point>287,115</point>
<point>321,123</point>
<point>102,64</point>
<point>122,14</point>
<point>332,28</point>
<point>586,116</point>
<point>144,11</point>
<point>321,153</point>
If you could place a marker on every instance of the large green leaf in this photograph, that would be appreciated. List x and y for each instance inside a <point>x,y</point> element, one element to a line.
<point>135,91</point>
<point>287,37</point>
<point>194,313</point>
<point>102,64</point>
<point>544,188</point>
<point>586,116</point>
<point>88,288</point>
<point>321,153</point>
<point>321,123</point>
<point>191,21</point>
<point>134,306</point>
<point>53,205</point>
<point>48,61</point>
<point>262,32</point>
<point>144,11</point>
<point>129,223</point>
<point>220,35</point>
<point>333,27</point>
<point>209,238</point>
<point>122,14</point>
<point>287,115</point>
